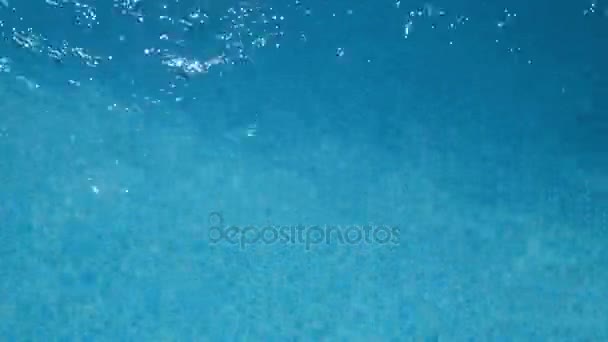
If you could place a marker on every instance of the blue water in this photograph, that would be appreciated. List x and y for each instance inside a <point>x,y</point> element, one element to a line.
<point>303,170</point>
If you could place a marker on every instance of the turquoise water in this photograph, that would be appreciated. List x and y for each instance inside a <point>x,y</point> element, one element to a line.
<point>303,170</point>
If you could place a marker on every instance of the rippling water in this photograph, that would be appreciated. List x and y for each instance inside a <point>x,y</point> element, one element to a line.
<point>303,170</point>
